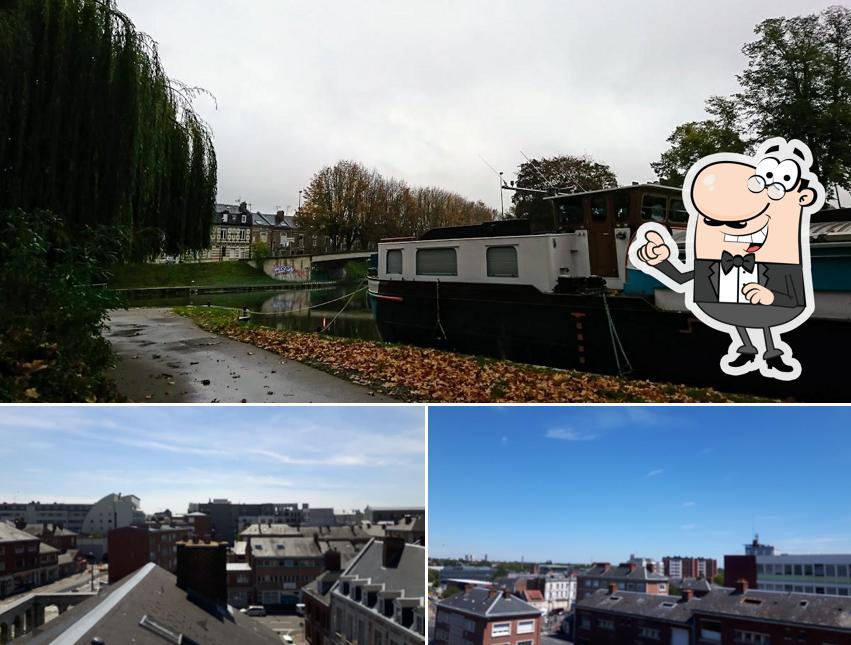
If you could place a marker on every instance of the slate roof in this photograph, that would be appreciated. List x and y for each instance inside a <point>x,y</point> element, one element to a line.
<point>480,602</point>
<point>633,603</point>
<point>298,547</point>
<point>313,588</point>
<point>408,576</point>
<point>116,616</point>
<point>622,572</point>
<point>45,549</point>
<point>38,529</point>
<point>812,610</point>
<point>8,533</point>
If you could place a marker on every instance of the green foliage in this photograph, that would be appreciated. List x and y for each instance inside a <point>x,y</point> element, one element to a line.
<point>186,274</point>
<point>451,591</point>
<point>259,250</point>
<point>566,172</point>
<point>356,270</point>
<point>348,207</point>
<point>719,578</point>
<point>797,84</point>
<point>433,577</point>
<point>92,129</point>
<point>696,139</point>
<point>53,305</point>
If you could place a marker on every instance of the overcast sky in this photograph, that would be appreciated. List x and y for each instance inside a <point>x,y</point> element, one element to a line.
<point>343,457</point>
<point>420,89</point>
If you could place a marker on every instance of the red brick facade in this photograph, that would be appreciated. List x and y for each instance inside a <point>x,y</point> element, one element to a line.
<point>132,547</point>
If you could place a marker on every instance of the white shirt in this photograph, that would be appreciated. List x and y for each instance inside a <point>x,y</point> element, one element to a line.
<point>730,284</point>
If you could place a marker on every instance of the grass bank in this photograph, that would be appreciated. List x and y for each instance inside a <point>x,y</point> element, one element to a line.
<point>197,274</point>
<point>419,374</point>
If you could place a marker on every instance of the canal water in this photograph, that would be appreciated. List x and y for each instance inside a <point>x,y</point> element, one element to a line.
<point>292,309</point>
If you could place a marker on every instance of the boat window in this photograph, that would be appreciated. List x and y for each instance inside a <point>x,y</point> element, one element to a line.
<point>394,261</point>
<point>437,262</point>
<point>653,208</point>
<point>621,207</point>
<point>598,209</point>
<point>502,262</point>
<point>678,212</point>
<point>570,213</point>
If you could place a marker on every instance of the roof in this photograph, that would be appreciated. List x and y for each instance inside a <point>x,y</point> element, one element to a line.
<point>39,528</point>
<point>533,595</point>
<point>314,587</point>
<point>482,602</point>
<point>634,603</point>
<point>45,549</point>
<point>144,608</point>
<point>238,566</point>
<point>8,533</point>
<point>623,572</point>
<point>407,576</point>
<point>268,219</point>
<point>298,547</point>
<point>829,612</point>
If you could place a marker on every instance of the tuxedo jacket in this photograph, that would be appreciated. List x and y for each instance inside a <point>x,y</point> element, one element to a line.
<point>786,281</point>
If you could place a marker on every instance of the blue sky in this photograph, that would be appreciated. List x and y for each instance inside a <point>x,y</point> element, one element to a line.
<point>344,457</point>
<point>580,484</point>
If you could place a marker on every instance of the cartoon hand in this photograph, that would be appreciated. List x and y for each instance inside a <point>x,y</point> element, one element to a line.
<point>757,294</point>
<point>655,251</point>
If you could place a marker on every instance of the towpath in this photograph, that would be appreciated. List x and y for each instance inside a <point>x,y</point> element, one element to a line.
<point>165,358</point>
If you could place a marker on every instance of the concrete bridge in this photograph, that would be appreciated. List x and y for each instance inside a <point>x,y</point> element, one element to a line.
<point>24,615</point>
<point>303,268</point>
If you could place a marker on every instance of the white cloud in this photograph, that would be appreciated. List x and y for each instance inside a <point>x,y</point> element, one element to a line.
<point>688,527</point>
<point>656,473</point>
<point>689,504</point>
<point>564,434</point>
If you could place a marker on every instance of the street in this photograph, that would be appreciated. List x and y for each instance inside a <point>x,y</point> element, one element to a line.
<point>285,624</point>
<point>165,358</point>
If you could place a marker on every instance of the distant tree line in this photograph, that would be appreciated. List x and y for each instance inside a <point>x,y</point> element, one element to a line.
<point>349,207</point>
<point>797,84</point>
<point>92,129</point>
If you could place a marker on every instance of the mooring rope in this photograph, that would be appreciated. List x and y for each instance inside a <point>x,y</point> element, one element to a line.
<point>288,311</point>
<point>616,341</point>
<point>348,302</point>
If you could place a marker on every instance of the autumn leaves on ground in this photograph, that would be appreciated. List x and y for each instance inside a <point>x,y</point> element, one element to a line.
<point>429,375</point>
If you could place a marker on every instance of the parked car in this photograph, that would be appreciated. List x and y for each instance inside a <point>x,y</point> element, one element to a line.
<point>254,610</point>
<point>287,639</point>
<point>299,609</point>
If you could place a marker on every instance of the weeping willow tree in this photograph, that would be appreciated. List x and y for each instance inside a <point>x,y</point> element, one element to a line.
<point>93,129</point>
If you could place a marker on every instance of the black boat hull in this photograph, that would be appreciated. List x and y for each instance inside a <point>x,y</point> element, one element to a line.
<point>572,331</point>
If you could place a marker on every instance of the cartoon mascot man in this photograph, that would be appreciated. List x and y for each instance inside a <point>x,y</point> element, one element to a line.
<point>747,266</point>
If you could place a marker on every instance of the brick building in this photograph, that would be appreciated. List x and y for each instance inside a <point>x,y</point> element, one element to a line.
<point>316,597</point>
<point>724,615</point>
<point>19,559</point>
<point>131,547</point>
<point>482,616</point>
<point>53,534</point>
<point>677,568</point>
<point>630,576</point>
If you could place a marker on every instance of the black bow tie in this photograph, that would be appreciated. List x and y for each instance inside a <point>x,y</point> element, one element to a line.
<point>728,261</point>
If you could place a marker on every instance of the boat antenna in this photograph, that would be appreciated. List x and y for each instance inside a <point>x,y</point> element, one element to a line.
<point>502,185</point>
<point>534,165</point>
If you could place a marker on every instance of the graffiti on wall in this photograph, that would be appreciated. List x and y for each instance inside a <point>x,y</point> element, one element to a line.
<point>291,272</point>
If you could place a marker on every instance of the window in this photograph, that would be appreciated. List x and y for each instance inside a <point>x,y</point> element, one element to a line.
<point>842,570</point>
<point>740,636</point>
<point>808,569</point>
<point>502,262</point>
<point>799,570</point>
<point>650,632</point>
<point>678,214</point>
<point>830,570</point>
<point>819,569</point>
<point>621,207</point>
<point>710,630</point>
<point>585,622</point>
<point>570,213</point>
<point>501,629</point>
<point>525,626</point>
<point>394,261</point>
<point>605,623</point>
<point>598,209</point>
<point>437,262</point>
<point>653,208</point>
<point>524,642</point>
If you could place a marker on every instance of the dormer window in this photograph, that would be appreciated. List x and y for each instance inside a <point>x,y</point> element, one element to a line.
<point>345,588</point>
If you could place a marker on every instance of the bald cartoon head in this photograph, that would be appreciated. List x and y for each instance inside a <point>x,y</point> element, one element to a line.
<point>753,204</point>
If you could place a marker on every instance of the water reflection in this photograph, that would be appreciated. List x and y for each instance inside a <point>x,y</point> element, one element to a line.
<point>301,310</point>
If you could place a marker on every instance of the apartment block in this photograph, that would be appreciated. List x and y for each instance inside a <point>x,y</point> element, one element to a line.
<point>132,547</point>
<point>630,576</point>
<point>677,567</point>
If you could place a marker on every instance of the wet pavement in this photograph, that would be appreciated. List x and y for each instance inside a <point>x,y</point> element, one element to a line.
<point>165,358</point>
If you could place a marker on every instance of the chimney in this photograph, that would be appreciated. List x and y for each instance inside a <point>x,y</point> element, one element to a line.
<point>493,592</point>
<point>468,587</point>
<point>506,593</point>
<point>279,217</point>
<point>632,566</point>
<point>687,594</point>
<point>613,587</point>
<point>202,572</point>
<point>332,560</point>
<point>392,552</point>
<point>651,567</point>
<point>604,566</point>
<point>741,586</point>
